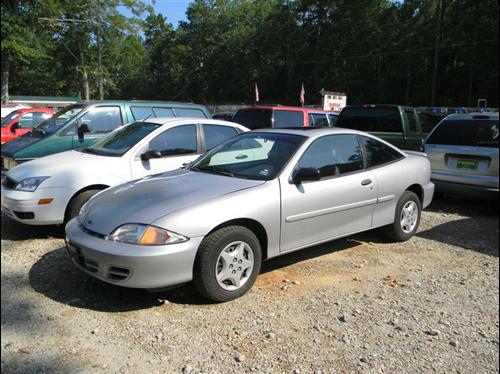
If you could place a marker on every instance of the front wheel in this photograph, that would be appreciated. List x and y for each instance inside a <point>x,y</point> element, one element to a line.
<point>407,217</point>
<point>227,263</point>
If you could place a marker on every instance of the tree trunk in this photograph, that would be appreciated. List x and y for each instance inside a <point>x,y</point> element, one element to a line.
<point>85,78</point>
<point>5,78</point>
<point>437,46</point>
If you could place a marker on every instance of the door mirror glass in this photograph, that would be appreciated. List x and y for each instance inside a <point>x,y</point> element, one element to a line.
<point>14,127</point>
<point>82,129</point>
<point>150,154</point>
<point>306,174</point>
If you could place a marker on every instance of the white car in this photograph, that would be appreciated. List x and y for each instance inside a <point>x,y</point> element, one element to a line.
<point>52,189</point>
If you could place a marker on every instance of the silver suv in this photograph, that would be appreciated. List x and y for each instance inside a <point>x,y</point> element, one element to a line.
<point>463,150</point>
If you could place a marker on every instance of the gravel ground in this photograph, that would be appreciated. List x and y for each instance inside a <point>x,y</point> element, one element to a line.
<point>356,305</point>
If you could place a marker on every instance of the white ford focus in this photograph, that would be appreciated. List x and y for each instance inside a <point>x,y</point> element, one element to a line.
<point>52,189</point>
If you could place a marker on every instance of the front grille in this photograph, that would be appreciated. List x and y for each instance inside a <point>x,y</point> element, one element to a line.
<point>9,183</point>
<point>116,273</point>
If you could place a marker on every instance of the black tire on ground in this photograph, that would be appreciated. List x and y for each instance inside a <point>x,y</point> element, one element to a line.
<point>394,231</point>
<point>204,273</point>
<point>76,204</point>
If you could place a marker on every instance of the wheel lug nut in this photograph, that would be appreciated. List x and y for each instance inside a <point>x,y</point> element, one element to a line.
<point>240,261</point>
<point>234,260</point>
<point>230,266</point>
<point>239,269</point>
<point>234,271</point>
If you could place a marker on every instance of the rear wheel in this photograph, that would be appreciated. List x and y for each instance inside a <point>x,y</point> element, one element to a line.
<point>76,204</point>
<point>227,263</point>
<point>407,217</point>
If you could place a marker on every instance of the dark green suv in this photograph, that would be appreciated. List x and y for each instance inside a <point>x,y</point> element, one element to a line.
<point>396,124</point>
<point>78,125</point>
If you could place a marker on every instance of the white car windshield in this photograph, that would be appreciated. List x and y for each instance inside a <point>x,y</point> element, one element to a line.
<point>259,156</point>
<point>120,141</point>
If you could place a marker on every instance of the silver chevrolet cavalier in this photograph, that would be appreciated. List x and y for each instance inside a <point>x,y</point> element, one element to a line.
<point>256,196</point>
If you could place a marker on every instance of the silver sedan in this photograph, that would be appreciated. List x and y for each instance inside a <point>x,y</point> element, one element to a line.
<point>257,196</point>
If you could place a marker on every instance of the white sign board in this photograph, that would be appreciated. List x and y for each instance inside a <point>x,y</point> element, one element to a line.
<point>334,101</point>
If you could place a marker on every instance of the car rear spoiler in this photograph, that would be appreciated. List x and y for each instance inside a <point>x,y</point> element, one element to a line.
<point>415,153</point>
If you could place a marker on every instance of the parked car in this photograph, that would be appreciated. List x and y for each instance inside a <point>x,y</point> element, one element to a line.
<point>52,189</point>
<point>399,125</point>
<point>253,197</point>
<point>225,116</point>
<point>277,116</point>
<point>332,118</point>
<point>428,121</point>
<point>20,121</point>
<point>463,150</point>
<point>81,124</point>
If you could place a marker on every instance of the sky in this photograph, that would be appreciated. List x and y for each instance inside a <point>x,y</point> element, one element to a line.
<point>173,10</point>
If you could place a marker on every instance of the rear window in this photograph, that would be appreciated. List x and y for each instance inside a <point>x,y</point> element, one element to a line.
<point>288,118</point>
<point>191,113</point>
<point>253,118</point>
<point>473,133</point>
<point>371,119</point>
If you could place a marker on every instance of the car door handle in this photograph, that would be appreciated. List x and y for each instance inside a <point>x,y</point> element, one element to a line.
<point>366,182</point>
<point>241,157</point>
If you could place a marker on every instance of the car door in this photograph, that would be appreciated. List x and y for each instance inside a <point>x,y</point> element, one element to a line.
<point>101,120</point>
<point>339,203</point>
<point>178,145</point>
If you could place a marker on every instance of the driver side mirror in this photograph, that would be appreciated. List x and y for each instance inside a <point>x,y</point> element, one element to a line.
<point>305,174</point>
<point>150,154</point>
<point>14,127</point>
<point>82,129</point>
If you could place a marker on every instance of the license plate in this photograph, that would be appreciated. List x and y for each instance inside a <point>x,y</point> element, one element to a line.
<point>467,164</point>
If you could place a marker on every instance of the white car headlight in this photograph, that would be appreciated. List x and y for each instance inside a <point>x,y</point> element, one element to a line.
<point>135,233</point>
<point>29,184</point>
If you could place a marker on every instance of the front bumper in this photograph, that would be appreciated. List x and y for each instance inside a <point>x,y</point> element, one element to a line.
<point>131,265</point>
<point>19,204</point>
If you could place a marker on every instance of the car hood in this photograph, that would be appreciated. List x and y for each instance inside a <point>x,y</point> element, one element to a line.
<point>9,149</point>
<point>145,200</point>
<point>64,162</point>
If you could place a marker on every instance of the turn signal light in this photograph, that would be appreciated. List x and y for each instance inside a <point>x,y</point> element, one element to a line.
<point>44,201</point>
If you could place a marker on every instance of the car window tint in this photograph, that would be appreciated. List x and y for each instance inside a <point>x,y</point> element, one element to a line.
<point>412,121</point>
<point>192,113</point>
<point>333,119</point>
<point>26,121</point>
<point>164,112</point>
<point>38,117</point>
<point>102,119</point>
<point>334,155</point>
<point>253,118</point>
<point>370,119</point>
<point>378,153</point>
<point>141,112</point>
<point>320,120</point>
<point>288,118</point>
<point>179,140</point>
<point>475,133</point>
<point>215,134</point>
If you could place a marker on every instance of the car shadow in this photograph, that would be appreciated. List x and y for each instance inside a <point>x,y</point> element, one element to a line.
<point>55,276</point>
<point>13,230</point>
<point>466,233</point>
<point>468,207</point>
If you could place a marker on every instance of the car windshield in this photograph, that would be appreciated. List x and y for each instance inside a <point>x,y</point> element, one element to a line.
<point>119,142</point>
<point>259,156</point>
<point>9,117</point>
<point>54,123</point>
<point>473,133</point>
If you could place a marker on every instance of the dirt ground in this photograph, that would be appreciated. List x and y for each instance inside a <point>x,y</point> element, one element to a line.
<point>355,305</point>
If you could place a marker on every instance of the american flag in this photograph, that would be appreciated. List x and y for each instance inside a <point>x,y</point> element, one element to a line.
<point>256,93</point>
<point>302,94</point>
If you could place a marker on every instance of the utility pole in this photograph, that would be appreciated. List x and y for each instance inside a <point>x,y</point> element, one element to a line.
<point>439,35</point>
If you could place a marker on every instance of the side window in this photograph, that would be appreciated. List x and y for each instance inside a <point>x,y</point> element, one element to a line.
<point>333,119</point>
<point>320,120</point>
<point>164,112</point>
<point>39,117</point>
<point>412,121</point>
<point>334,155</point>
<point>102,119</point>
<point>215,134</point>
<point>377,153</point>
<point>26,121</point>
<point>141,112</point>
<point>288,118</point>
<point>191,113</point>
<point>180,140</point>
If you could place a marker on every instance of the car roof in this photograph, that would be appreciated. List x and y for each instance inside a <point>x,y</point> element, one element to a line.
<point>472,116</point>
<point>183,120</point>
<point>139,102</point>
<point>312,132</point>
<point>284,107</point>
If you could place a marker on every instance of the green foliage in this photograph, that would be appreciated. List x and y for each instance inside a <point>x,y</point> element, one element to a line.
<point>374,50</point>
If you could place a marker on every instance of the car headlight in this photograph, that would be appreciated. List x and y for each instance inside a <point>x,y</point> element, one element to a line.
<point>133,233</point>
<point>29,184</point>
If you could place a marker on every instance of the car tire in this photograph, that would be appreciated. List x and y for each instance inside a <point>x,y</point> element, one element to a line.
<point>76,204</point>
<point>406,219</point>
<point>220,255</point>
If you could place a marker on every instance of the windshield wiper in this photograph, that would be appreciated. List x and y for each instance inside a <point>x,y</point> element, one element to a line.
<point>213,169</point>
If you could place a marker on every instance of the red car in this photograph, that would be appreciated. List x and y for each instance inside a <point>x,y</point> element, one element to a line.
<point>277,116</point>
<point>20,121</point>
